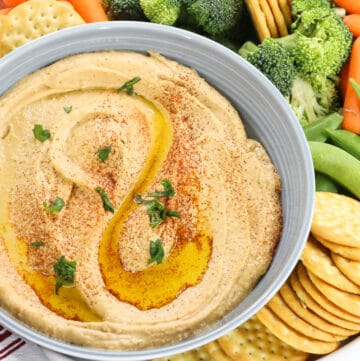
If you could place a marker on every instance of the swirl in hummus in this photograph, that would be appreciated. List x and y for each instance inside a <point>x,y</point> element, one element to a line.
<point>169,124</point>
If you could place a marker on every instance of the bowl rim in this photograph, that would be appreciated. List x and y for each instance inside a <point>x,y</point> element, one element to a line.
<point>65,36</point>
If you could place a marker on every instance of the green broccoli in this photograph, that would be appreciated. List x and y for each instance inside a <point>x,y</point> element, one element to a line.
<point>328,94</point>
<point>298,6</point>
<point>320,43</point>
<point>309,105</point>
<point>161,11</point>
<point>273,61</point>
<point>124,9</point>
<point>216,16</point>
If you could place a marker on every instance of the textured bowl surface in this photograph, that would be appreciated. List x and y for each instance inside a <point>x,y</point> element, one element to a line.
<point>266,116</point>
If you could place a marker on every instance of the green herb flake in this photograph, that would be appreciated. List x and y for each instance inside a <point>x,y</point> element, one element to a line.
<point>168,191</point>
<point>356,86</point>
<point>155,210</point>
<point>56,206</point>
<point>103,153</point>
<point>68,109</point>
<point>129,85</point>
<point>37,244</point>
<point>156,252</point>
<point>64,273</point>
<point>105,199</point>
<point>40,133</point>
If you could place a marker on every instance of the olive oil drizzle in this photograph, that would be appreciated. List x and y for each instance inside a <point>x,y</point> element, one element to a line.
<point>159,284</point>
<point>69,303</point>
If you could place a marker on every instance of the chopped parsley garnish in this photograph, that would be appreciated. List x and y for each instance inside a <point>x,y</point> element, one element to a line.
<point>156,252</point>
<point>40,133</point>
<point>64,273</point>
<point>37,244</point>
<point>155,209</point>
<point>129,85</point>
<point>56,206</point>
<point>103,153</point>
<point>68,109</point>
<point>105,199</point>
<point>168,191</point>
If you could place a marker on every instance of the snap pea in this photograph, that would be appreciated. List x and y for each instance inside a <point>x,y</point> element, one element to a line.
<point>324,184</point>
<point>315,131</point>
<point>346,140</point>
<point>337,164</point>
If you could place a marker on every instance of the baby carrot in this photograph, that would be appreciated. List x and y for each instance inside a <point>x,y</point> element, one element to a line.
<point>344,79</point>
<point>352,21</point>
<point>351,109</point>
<point>90,10</point>
<point>4,11</point>
<point>13,3</point>
<point>351,6</point>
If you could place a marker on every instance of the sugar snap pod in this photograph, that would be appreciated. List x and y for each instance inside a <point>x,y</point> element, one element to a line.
<point>337,164</point>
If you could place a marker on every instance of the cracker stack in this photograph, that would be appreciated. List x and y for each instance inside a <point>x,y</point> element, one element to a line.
<point>250,342</point>
<point>271,18</point>
<point>33,19</point>
<point>319,305</point>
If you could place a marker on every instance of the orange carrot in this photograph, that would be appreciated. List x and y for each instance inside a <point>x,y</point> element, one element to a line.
<point>351,109</point>
<point>352,21</point>
<point>351,6</point>
<point>90,10</point>
<point>4,11</point>
<point>344,79</point>
<point>13,3</point>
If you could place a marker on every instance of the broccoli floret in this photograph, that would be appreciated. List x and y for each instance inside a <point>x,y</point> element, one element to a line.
<point>161,11</point>
<point>216,16</point>
<point>124,9</point>
<point>320,43</point>
<point>304,103</point>
<point>330,37</point>
<point>309,105</point>
<point>308,53</point>
<point>273,61</point>
<point>328,94</point>
<point>298,6</point>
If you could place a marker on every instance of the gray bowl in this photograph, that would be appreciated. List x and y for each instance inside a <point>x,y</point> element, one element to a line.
<point>266,116</point>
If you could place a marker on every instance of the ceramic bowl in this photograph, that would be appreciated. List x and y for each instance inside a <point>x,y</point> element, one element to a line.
<point>266,115</point>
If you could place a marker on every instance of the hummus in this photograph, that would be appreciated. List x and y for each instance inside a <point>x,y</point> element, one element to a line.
<point>170,124</point>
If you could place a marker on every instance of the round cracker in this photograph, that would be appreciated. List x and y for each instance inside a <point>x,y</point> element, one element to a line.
<point>258,18</point>
<point>216,352</point>
<point>310,303</point>
<point>278,17</point>
<point>294,303</point>
<point>293,338</point>
<point>192,355</point>
<point>345,251</point>
<point>337,218</point>
<point>252,341</point>
<point>347,301</point>
<point>317,259</point>
<point>33,19</point>
<point>320,298</point>
<point>270,20</point>
<point>202,354</point>
<point>284,312</point>
<point>350,268</point>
